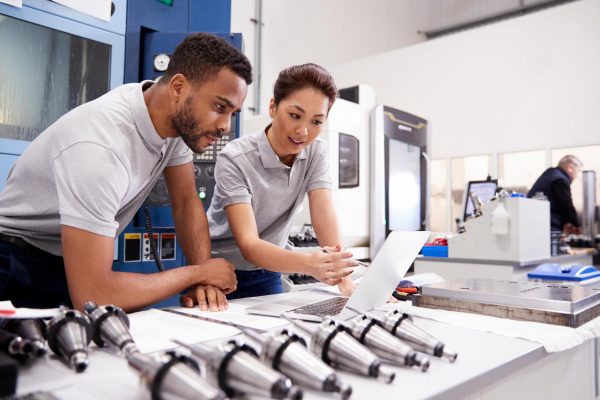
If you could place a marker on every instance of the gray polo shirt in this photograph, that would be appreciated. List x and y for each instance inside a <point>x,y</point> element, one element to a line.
<point>249,171</point>
<point>92,169</point>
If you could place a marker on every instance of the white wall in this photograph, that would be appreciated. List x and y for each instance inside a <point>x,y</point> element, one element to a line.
<point>531,82</point>
<point>327,32</point>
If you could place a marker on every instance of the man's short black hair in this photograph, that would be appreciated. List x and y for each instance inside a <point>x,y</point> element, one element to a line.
<point>201,56</point>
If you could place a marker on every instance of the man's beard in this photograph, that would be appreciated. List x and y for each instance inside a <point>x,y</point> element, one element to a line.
<point>187,127</point>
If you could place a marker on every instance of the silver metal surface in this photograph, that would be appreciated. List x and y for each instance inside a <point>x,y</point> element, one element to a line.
<point>240,372</point>
<point>339,349</point>
<point>180,381</point>
<point>368,331</point>
<point>531,301</point>
<point>69,334</point>
<point>287,353</point>
<point>32,330</point>
<point>402,326</point>
<point>110,326</point>
<point>16,346</point>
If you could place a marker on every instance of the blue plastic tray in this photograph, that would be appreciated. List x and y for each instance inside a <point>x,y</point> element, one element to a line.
<point>435,251</point>
<point>564,273</point>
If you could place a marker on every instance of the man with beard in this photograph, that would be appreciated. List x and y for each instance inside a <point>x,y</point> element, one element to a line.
<point>81,181</point>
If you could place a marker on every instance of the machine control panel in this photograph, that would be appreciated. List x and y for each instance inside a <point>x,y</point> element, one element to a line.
<point>204,164</point>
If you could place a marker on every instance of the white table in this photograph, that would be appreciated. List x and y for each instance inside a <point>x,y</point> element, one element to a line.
<point>488,366</point>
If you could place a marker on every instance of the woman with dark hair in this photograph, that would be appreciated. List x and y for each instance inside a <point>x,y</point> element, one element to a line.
<point>261,181</point>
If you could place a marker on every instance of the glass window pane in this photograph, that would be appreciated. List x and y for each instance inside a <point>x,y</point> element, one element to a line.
<point>465,169</point>
<point>438,203</point>
<point>404,188</point>
<point>519,171</point>
<point>590,157</point>
<point>43,74</point>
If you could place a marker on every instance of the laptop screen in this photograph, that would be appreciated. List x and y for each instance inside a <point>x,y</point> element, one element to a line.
<point>385,272</point>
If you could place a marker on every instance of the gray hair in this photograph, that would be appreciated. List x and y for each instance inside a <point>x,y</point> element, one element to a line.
<point>570,159</point>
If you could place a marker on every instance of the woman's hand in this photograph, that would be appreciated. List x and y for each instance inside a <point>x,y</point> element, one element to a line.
<point>330,265</point>
<point>347,287</point>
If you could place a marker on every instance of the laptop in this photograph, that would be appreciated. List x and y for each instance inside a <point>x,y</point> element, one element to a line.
<point>377,285</point>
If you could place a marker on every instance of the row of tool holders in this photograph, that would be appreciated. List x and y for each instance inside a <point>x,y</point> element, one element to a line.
<point>280,364</point>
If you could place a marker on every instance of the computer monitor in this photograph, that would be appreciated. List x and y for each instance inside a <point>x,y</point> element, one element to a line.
<point>485,191</point>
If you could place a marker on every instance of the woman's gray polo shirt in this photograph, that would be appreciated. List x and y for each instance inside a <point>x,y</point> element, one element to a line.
<point>249,171</point>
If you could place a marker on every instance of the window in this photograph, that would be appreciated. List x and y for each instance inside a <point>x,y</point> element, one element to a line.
<point>519,171</point>
<point>438,202</point>
<point>44,73</point>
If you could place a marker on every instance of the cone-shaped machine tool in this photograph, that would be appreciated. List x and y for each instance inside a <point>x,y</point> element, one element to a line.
<point>402,326</point>
<point>332,342</point>
<point>369,332</point>
<point>15,345</point>
<point>32,330</point>
<point>69,333</point>
<point>175,377</point>
<point>240,372</point>
<point>110,326</point>
<point>288,354</point>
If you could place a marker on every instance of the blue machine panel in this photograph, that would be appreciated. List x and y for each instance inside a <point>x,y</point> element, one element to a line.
<point>155,28</point>
<point>210,16</point>
<point>165,42</point>
<point>183,16</point>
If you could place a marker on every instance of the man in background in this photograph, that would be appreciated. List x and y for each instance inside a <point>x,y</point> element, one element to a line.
<point>555,184</point>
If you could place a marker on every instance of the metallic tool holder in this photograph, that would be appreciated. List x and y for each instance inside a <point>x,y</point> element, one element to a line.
<point>33,330</point>
<point>69,333</point>
<point>288,354</point>
<point>338,348</point>
<point>175,376</point>
<point>110,326</point>
<point>239,372</point>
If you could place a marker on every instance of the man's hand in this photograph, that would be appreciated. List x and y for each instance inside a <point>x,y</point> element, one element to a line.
<point>331,265</point>
<point>207,298</point>
<point>569,228</point>
<point>219,273</point>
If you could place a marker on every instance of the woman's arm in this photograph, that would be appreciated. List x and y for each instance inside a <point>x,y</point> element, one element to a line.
<point>325,223</point>
<point>329,268</point>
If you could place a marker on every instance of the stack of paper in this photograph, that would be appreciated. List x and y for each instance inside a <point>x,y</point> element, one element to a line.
<point>153,330</point>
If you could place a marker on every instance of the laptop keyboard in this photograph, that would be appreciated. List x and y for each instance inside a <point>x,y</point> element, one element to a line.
<point>323,308</point>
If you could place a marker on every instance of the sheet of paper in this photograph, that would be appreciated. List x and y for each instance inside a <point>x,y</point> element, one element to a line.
<point>236,313</point>
<point>425,278</point>
<point>552,337</point>
<point>96,8</point>
<point>8,311</point>
<point>14,3</point>
<point>153,330</point>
